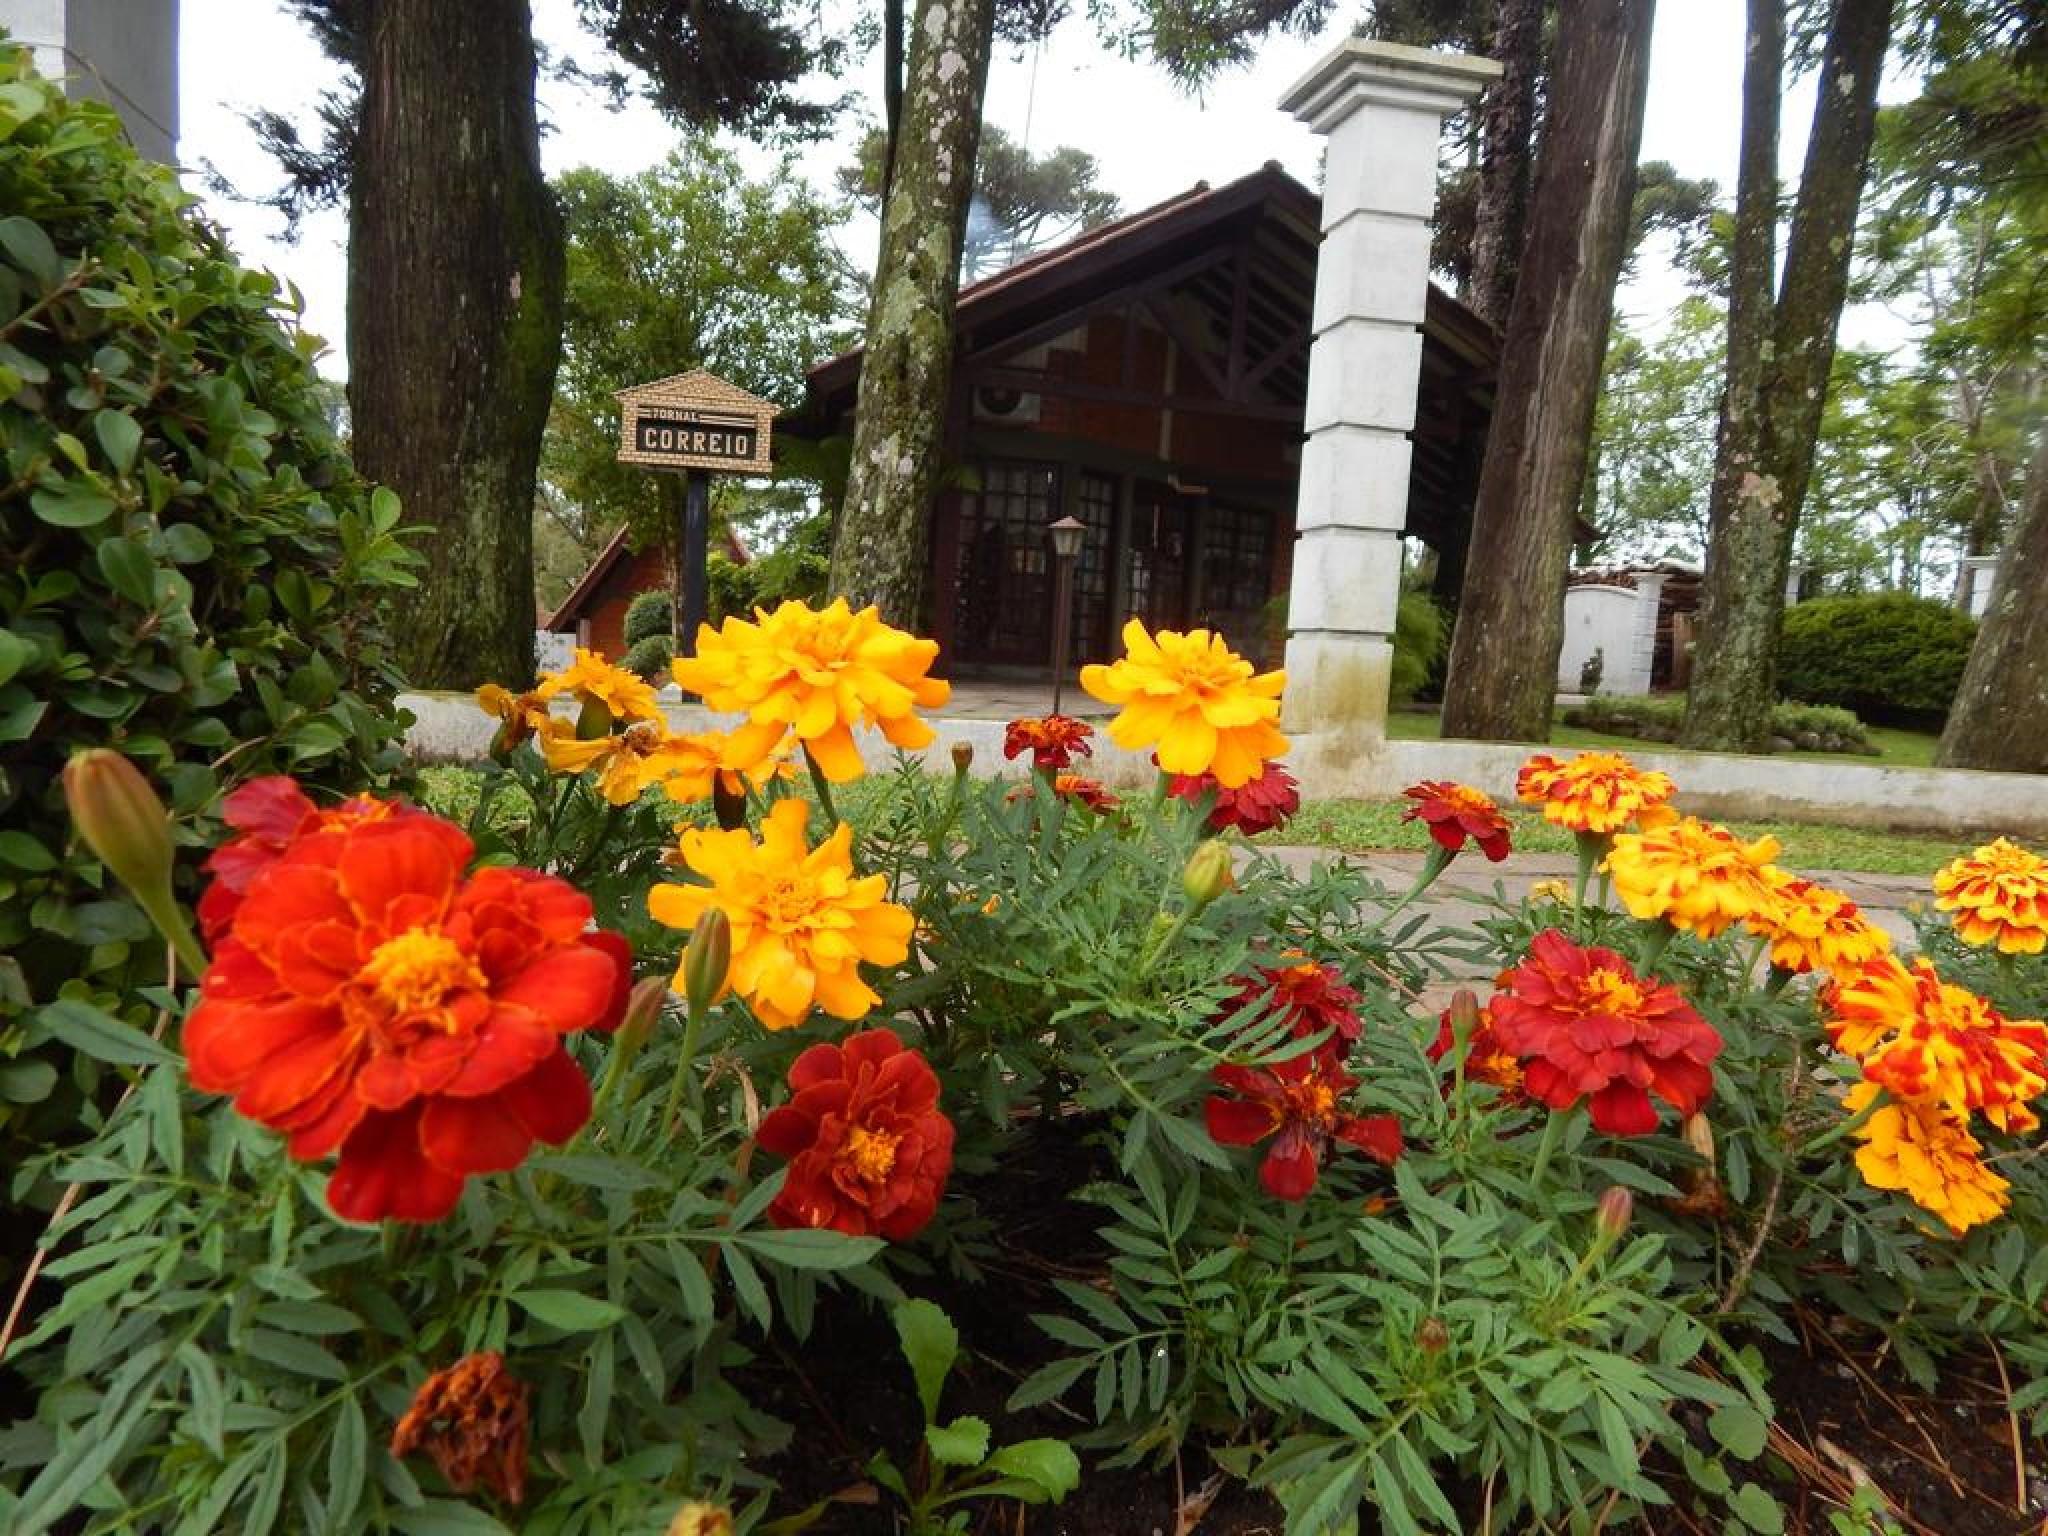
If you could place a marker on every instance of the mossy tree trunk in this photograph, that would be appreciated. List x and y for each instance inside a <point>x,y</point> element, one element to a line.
<point>456,264</point>
<point>1506,158</point>
<point>878,553</point>
<point>1777,379</point>
<point>2000,716</point>
<point>1503,665</point>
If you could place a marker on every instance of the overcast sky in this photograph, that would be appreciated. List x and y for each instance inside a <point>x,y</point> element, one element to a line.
<point>1151,139</point>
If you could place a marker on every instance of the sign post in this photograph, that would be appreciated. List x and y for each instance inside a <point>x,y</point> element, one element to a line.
<point>701,425</point>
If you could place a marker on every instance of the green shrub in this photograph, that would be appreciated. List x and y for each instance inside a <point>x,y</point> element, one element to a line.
<point>190,568</point>
<point>1893,658</point>
<point>649,657</point>
<point>651,613</point>
<point>1809,727</point>
<point>1420,634</point>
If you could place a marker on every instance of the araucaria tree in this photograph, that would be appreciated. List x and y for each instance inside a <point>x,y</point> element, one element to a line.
<point>1503,666</point>
<point>1781,346</point>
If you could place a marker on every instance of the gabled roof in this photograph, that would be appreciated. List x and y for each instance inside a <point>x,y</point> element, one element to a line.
<point>592,581</point>
<point>700,388</point>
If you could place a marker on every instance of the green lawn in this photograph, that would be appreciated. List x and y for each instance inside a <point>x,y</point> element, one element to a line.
<point>1896,748</point>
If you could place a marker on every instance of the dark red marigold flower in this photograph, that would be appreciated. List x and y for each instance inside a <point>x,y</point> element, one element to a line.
<point>1312,999</point>
<point>869,1151</point>
<point>1486,1059</point>
<point>1296,1102</point>
<point>271,813</point>
<point>1053,742</point>
<point>1456,812</point>
<point>370,999</point>
<point>1258,805</point>
<point>1587,1027</point>
<point>472,1419</point>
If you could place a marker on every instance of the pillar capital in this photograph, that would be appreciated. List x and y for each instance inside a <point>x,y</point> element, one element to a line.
<point>1361,72</point>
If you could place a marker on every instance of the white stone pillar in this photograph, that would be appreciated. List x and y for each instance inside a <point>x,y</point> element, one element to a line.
<point>1382,106</point>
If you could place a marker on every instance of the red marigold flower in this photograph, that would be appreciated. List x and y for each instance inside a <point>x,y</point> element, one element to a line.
<point>1053,741</point>
<point>1258,805</point>
<point>1076,787</point>
<point>271,813</point>
<point>472,1418</point>
<point>1456,812</point>
<point>1297,1102</point>
<point>1587,1027</point>
<point>371,1000</point>
<point>1311,998</point>
<point>869,1150</point>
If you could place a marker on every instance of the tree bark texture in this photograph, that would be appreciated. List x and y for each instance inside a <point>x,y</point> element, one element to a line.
<point>2000,715</point>
<point>1758,493</point>
<point>878,554</point>
<point>1503,665</point>
<point>1507,154</point>
<point>456,270</point>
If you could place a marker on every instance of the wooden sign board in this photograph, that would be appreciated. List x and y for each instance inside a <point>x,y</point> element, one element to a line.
<point>695,421</point>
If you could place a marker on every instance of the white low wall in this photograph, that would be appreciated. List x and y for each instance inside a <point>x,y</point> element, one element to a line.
<point>449,727</point>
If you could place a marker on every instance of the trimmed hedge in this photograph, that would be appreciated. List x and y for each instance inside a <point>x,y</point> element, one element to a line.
<point>1808,727</point>
<point>649,658</point>
<point>650,613</point>
<point>1893,658</point>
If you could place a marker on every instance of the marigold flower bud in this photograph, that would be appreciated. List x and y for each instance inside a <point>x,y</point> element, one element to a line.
<point>1699,1135</point>
<point>593,720</point>
<point>120,818</point>
<point>1464,1018</point>
<point>1432,1337</point>
<point>707,959</point>
<point>1208,874</point>
<point>1616,1207</point>
<point>963,756</point>
<point>643,1011</point>
<point>698,1519</point>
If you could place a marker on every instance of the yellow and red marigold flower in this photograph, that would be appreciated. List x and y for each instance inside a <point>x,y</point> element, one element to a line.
<point>370,999</point>
<point>869,1149</point>
<point>1920,1037</point>
<point>1999,897</point>
<point>818,674</point>
<point>1926,1152</point>
<point>1585,1026</point>
<point>270,814</point>
<point>1297,1102</point>
<point>1694,875</point>
<point>1053,741</point>
<point>1596,792</point>
<point>624,695</point>
<point>1075,787</point>
<point>1311,999</point>
<point>1455,812</point>
<point>1812,927</point>
<point>1486,1059</point>
<point>1194,699</point>
<point>473,1420</point>
<point>1260,804</point>
<point>520,715</point>
<point>802,921</point>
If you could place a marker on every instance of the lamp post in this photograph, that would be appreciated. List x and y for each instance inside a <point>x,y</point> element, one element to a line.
<point>1066,535</point>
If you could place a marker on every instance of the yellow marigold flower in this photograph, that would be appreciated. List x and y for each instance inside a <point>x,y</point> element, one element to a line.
<point>1557,891</point>
<point>1999,895</point>
<point>1196,700</point>
<point>1597,792</point>
<point>566,752</point>
<point>1923,1038</point>
<point>818,674</point>
<point>522,714</point>
<point>689,767</point>
<point>1813,927</point>
<point>802,921</point>
<point>1927,1153</point>
<point>1692,874</point>
<point>624,695</point>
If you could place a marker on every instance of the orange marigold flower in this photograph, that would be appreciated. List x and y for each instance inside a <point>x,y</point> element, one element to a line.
<point>1297,1102</point>
<point>1999,895</point>
<point>1455,812</point>
<point>521,715</point>
<point>1260,804</point>
<point>1695,876</point>
<point>1923,1038</point>
<point>1596,792</point>
<point>1312,999</point>
<point>1585,1026</point>
<point>1812,927</point>
<point>1486,1059</point>
<point>371,1000</point>
<point>802,921</point>
<point>1053,741</point>
<point>1193,698</point>
<point>624,695</point>
<point>1077,787</point>
<point>1926,1152</point>
<point>473,1420</point>
<point>819,674</point>
<point>270,814</point>
<point>869,1150</point>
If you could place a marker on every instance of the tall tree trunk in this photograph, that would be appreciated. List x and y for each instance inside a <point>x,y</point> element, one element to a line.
<point>455,319</point>
<point>1507,153</point>
<point>2000,715</point>
<point>892,88</point>
<point>878,554</point>
<point>1758,494</point>
<point>1503,667</point>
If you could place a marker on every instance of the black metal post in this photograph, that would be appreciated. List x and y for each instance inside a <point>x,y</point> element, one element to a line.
<point>1062,621</point>
<point>695,554</point>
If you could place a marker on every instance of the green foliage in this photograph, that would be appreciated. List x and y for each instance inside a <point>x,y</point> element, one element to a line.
<point>1889,656</point>
<point>1421,632</point>
<point>650,614</point>
<point>190,569</point>
<point>650,657</point>
<point>796,568</point>
<point>1809,727</point>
